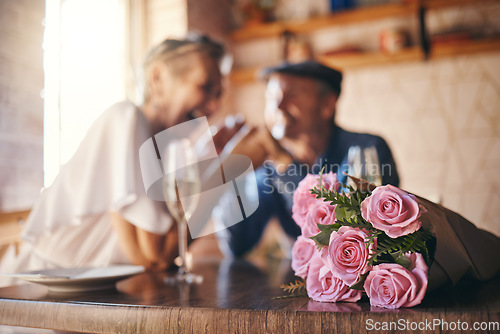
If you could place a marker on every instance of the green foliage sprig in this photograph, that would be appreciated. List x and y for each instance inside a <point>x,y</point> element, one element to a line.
<point>348,213</point>
<point>294,286</point>
<point>420,241</point>
<point>348,203</point>
<point>295,289</point>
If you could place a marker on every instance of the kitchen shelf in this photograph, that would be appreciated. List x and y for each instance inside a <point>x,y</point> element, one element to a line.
<point>346,61</point>
<point>358,15</point>
<point>472,47</point>
<point>356,60</point>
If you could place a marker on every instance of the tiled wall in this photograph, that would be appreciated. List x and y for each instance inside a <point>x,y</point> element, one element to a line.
<point>442,121</point>
<point>21,107</point>
<point>441,118</point>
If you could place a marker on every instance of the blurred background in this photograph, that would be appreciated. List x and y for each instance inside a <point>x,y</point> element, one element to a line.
<point>425,75</point>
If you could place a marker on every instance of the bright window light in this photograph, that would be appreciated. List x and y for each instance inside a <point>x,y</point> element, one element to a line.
<point>84,72</point>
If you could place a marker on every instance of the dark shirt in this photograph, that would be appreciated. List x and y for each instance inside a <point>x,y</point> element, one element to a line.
<point>275,190</point>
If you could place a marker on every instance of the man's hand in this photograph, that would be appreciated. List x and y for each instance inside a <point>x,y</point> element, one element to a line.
<point>259,145</point>
<point>232,136</point>
<point>225,129</point>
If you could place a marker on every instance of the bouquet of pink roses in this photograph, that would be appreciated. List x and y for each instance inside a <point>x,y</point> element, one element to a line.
<point>358,240</point>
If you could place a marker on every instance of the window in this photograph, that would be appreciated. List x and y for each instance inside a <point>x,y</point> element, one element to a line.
<point>85,72</point>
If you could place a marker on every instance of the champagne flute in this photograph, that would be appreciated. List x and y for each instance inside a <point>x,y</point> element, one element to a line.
<point>181,190</point>
<point>364,164</point>
<point>372,166</point>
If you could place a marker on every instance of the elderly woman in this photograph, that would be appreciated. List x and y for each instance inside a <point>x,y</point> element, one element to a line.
<point>97,212</point>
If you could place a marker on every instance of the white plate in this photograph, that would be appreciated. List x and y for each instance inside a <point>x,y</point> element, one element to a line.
<point>79,279</point>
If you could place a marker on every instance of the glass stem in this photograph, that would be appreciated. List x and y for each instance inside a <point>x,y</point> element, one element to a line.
<point>183,269</point>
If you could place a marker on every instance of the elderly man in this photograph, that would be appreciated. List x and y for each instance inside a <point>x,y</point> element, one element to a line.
<point>300,110</point>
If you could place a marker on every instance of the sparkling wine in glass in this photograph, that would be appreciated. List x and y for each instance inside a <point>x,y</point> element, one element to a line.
<point>364,164</point>
<point>181,190</point>
<point>372,165</point>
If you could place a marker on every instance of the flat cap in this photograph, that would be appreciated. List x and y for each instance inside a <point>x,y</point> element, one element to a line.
<point>309,69</point>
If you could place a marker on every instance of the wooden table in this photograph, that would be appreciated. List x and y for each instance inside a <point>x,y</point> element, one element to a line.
<point>235,297</point>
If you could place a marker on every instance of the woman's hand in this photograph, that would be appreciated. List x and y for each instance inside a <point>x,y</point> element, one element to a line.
<point>156,252</point>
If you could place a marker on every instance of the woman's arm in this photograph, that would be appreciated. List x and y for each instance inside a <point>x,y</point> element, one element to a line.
<point>151,250</point>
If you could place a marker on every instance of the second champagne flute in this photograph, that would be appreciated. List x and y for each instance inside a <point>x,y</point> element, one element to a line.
<point>181,189</point>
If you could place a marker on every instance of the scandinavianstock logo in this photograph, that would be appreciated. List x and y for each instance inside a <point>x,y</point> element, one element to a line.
<point>230,178</point>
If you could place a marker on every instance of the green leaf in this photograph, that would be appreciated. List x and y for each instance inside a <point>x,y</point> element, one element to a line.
<point>401,259</point>
<point>360,283</point>
<point>328,226</point>
<point>323,237</point>
<point>344,213</point>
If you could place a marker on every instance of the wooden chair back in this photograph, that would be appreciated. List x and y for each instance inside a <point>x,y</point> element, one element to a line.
<point>11,226</point>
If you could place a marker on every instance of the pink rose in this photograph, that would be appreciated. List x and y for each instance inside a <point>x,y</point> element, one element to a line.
<point>319,213</point>
<point>302,251</point>
<point>390,285</point>
<point>323,286</point>
<point>302,197</point>
<point>330,181</point>
<point>346,255</point>
<point>392,210</point>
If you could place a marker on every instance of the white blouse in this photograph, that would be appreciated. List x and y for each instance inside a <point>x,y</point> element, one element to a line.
<point>69,224</point>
